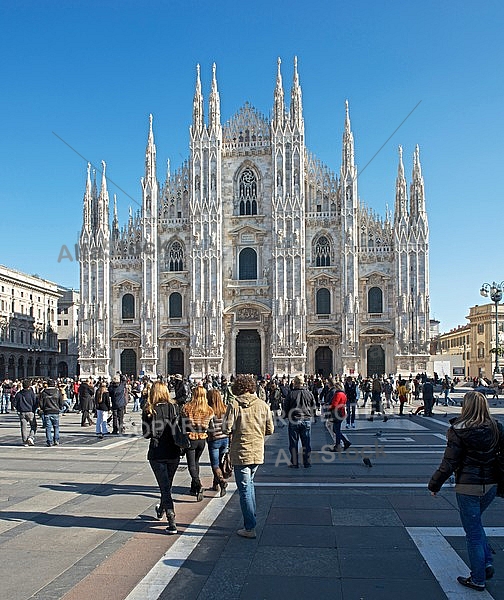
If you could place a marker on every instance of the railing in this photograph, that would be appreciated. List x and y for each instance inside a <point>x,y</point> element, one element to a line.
<point>247,282</point>
<point>375,249</point>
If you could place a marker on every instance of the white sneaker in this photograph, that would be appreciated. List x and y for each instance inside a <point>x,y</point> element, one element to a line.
<point>353,425</point>
<point>30,442</point>
<point>247,533</point>
<point>347,426</point>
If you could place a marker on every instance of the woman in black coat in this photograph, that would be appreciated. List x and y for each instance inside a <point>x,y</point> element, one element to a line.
<point>159,418</point>
<point>472,443</point>
<point>86,401</point>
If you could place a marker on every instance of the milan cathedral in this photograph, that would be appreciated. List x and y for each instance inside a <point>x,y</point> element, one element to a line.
<point>254,257</point>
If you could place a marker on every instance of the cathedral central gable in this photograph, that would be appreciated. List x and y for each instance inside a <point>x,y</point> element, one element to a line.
<point>248,127</point>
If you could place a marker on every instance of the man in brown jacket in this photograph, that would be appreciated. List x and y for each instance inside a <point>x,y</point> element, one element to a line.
<point>249,420</point>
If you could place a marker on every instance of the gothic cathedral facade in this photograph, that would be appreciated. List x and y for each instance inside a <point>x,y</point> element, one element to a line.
<point>254,257</point>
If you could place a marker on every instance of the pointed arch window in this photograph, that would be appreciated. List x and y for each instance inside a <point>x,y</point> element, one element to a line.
<point>323,302</point>
<point>128,306</point>
<point>175,257</point>
<point>247,264</point>
<point>375,300</point>
<point>247,192</point>
<point>175,306</point>
<point>322,252</point>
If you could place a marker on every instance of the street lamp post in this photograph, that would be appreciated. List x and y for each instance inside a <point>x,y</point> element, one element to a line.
<point>495,291</point>
<point>466,373</point>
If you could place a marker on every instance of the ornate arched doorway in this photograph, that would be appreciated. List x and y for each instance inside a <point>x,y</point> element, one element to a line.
<point>175,362</point>
<point>128,362</point>
<point>248,352</point>
<point>375,361</point>
<point>323,361</point>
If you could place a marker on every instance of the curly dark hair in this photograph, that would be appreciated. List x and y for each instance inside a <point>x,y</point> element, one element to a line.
<point>243,384</point>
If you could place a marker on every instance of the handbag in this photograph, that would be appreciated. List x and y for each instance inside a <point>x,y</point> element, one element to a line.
<point>226,466</point>
<point>180,436</point>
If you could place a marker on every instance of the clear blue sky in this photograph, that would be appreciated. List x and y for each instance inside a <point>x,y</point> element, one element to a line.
<point>92,71</point>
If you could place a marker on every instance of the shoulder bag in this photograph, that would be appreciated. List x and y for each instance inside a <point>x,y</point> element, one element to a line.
<point>225,465</point>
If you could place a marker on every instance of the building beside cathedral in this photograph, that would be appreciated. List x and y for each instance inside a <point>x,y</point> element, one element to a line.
<point>254,257</point>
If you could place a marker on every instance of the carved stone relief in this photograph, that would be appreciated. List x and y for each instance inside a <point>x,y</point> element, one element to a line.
<point>247,314</point>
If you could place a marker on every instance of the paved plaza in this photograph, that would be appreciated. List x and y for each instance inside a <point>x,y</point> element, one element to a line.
<point>77,523</point>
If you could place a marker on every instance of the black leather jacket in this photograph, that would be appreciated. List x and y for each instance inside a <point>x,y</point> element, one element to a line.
<point>470,453</point>
<point>299,404</point>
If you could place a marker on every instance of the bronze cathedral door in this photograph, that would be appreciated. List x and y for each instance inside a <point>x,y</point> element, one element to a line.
<point>248,352</point>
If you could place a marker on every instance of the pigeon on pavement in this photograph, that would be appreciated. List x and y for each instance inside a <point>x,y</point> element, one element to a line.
<point>367,462</point>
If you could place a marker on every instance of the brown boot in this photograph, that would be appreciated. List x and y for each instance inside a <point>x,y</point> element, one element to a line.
<point>223,485</point>
<point>217,476</point>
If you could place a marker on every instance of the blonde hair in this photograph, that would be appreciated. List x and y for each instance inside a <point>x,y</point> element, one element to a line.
<point>158,394</point>
<point>198,407</point>
<point>214,398</point>
<point>100,391</point>
<point>475,412</point>
<point>198,399</point>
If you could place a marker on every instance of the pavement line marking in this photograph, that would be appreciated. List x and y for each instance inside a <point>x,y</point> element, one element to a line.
<point>156,580</point>
<point>341,484</point>
<point>459,531</point>
<point>65,446</point>
<point>410,451</point>
<point>444,562</point>
<point>370,450</point>
<point>388,445</point>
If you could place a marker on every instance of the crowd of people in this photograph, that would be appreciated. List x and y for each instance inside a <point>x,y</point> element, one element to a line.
<point>49,399</point>
<point>102,404</point>
<point>235,417</point>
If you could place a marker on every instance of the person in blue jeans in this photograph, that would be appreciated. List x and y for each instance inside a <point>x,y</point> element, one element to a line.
<point>249,420</point>
<point>218,442</point>
<point>299,409</point>
<point>473,441</point>
<point>51,403</point>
